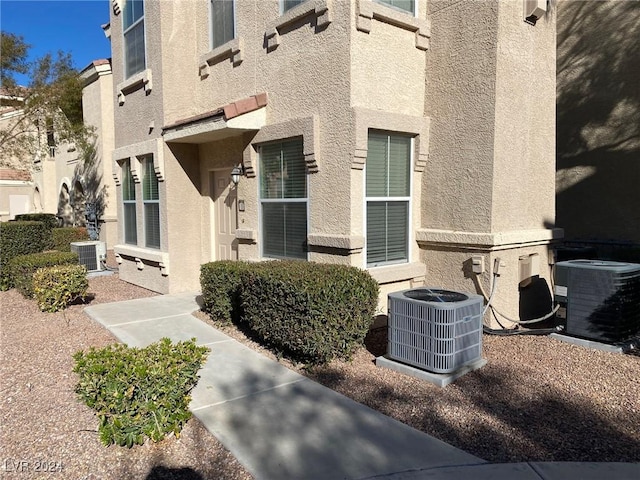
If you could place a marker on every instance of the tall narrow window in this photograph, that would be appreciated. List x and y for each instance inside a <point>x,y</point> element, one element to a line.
<point>388,195</point>
<point>404,5</point>
<point>283,197</point>
<point>151,201</point>
<point>133,28</point>
<point>222,22</point>
<point>289,4</point>
<point>129,201</point>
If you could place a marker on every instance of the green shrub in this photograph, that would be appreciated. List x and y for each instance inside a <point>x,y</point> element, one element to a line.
<point>62,237</point>
<point>56,287</point>
<point>139,393</point>
<point>49,219</point>
<point>23,267</point>
<point>20,238</point>
<point>313,312</point>
<point>220,283</point>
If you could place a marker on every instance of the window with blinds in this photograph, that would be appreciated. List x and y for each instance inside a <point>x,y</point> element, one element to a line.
<point>283,199</point>
<point>222,22</point>
<point>129,204</point>
<point>388,196</point>
<point>151,203</point>
<point>133,28</point>
<point>404,5</point>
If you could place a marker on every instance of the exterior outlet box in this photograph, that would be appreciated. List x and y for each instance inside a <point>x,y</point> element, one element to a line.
<point>529,267</point>
<point>534,10</point>
<point>477,264</point>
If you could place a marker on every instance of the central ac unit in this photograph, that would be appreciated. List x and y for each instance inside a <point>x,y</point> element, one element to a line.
<point>91,254</point>
<point>601,299</point>
<point>435,330</point>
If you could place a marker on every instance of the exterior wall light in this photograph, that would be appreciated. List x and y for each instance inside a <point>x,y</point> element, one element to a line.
<point>236,173</point>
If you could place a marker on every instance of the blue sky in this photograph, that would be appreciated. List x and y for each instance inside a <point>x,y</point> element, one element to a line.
<point>48,26</point>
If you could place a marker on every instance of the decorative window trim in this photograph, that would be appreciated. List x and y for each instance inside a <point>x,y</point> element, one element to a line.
<point>154,147</point>
<point>320,8</point>
<point>232,50</point>
<point>140,254</point>
<point>366,119</point>
<point>308,128</point>
<point>140,79</point>
<point>369,10</point>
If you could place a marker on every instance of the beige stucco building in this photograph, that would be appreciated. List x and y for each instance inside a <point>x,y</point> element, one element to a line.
<point>402,137</point>
<point>57,179</point>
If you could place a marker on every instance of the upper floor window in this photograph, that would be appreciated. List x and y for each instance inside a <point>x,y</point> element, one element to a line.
<point>404,5</point>
<point>133,28</point>
<point>222,22</point>
<point>388,198</point>
<point>289,4</point>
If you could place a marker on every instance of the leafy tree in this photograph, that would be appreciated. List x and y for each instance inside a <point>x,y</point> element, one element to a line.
<point>51,103</point>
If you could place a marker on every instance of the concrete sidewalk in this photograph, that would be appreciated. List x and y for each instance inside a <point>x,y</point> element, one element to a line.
<point>281,425</point>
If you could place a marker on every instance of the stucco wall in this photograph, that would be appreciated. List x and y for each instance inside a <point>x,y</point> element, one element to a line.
<point>598,130</point>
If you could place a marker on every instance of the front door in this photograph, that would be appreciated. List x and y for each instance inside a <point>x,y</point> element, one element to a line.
<point>225,219</point>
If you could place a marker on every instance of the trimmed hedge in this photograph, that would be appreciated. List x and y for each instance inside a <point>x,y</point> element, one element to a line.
<point>309,311</point>
<point>23,267</point>
<point>56,287</point>
<point>139,393</point>
<point>49,219</point>
<point>20,238</point>
<point>62,237</point>
<point>220,283</point>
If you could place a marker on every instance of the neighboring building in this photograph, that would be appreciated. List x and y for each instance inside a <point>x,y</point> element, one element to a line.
<point>61,181</point>
<point>16,193</point>
<point>403,137</point>
<point>598,129</point>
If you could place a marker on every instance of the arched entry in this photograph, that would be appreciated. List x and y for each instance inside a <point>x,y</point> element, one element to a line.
<point>78,204</point>
<point>65,211</point>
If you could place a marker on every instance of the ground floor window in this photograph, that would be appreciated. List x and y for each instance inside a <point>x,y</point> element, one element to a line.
<point>283,199</point>
<point>129,204</point>
<point>388,198</point>
<point>151,203</point>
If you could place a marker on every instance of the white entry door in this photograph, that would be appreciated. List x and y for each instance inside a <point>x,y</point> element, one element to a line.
<point>225,221</point>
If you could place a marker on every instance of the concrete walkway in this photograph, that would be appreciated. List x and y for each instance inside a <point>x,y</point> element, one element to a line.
<point>281,425</point>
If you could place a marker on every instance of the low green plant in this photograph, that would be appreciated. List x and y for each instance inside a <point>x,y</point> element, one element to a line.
<point>56,287</point>
<point>312,312</point>
<point>23,267</point>
<point>20,238</point>
<point>139,393</point>
<point>220,283</point>
<point>62,237</point>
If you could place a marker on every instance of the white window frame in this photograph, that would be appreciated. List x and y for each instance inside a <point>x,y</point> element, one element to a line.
<point>409,199</point>
<point>148,169</point>
<point>124,41</point>
<point>261,201</point>
<point>235,25</point>
<point>397,9</point>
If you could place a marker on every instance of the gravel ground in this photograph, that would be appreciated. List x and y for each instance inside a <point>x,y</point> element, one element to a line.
<point>44,426</point>
<point>537,399</point>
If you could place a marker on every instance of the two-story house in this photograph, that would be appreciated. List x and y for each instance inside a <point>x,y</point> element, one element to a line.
<point>401,136</point>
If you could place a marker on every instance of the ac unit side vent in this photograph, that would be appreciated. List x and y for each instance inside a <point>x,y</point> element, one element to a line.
<point>90,254</point>
<point>602,299</point>
<point>435,330</point>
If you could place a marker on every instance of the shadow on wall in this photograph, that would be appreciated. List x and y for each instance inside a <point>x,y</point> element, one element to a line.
<point>88,188</point>
<point>598,120</point>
